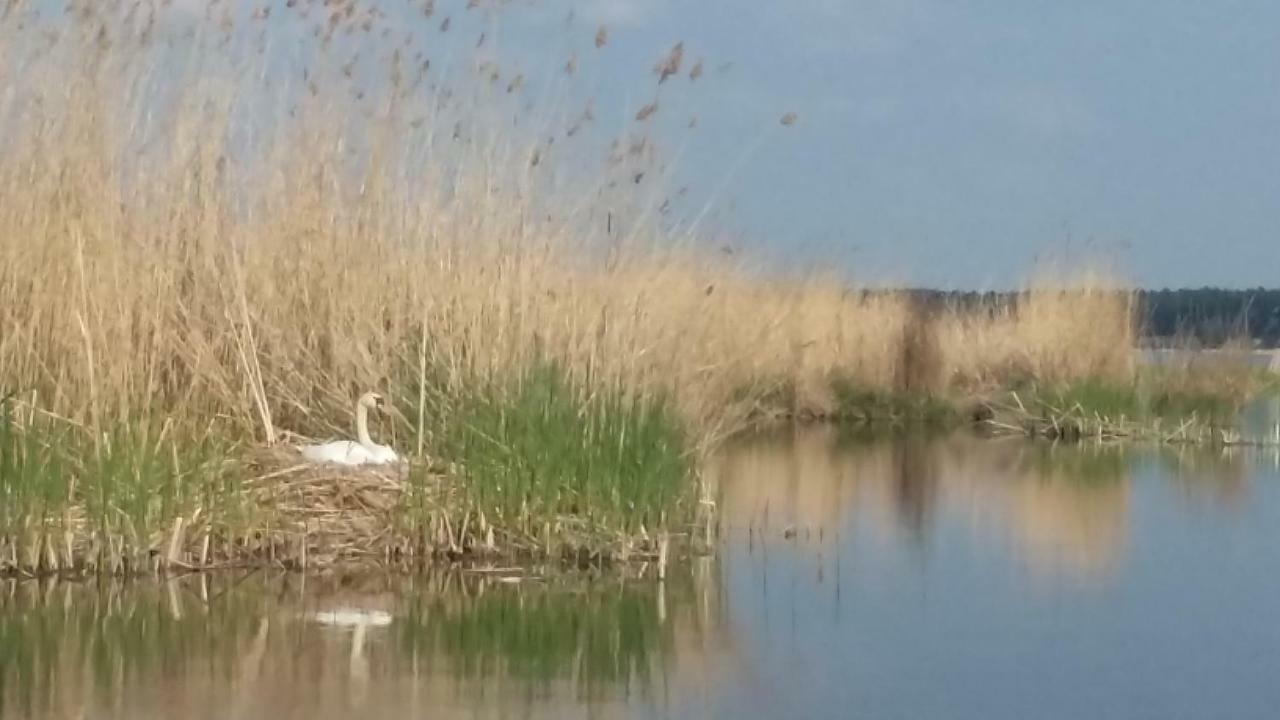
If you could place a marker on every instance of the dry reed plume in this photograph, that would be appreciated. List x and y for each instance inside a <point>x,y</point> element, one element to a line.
<point>241,248</point>
<point>1053,333</point>
<point>201,239</point>
<point>153,258</point>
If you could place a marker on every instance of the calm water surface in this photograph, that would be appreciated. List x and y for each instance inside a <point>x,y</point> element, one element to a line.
<point>883,578</point>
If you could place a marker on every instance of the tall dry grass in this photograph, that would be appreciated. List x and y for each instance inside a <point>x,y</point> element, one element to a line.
<point>206,242</point>
<point>243,257</point>
<point>1057,331</point>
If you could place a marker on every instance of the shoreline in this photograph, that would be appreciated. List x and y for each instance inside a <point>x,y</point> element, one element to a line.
<point>307,518</point>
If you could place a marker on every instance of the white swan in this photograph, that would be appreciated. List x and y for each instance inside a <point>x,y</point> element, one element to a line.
<point>347,616</point>
<point>364,452</point>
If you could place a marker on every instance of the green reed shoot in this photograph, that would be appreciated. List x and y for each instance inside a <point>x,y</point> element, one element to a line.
<point>542,447</point>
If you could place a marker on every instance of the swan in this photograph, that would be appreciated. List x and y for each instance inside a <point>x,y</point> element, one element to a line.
<point>364,452</point>
<point>347,616</point>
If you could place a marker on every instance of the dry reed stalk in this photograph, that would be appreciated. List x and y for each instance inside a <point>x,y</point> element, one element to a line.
<point>290,294</point>
<point>285,328</point>
<point>166,253</point>
<point>1054,332</point>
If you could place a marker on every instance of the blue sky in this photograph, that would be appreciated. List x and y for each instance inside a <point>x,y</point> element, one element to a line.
<point>949,143</point>
<point>960,144</point>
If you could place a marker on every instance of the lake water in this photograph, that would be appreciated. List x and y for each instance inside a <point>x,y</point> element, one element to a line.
<point>907,577</point>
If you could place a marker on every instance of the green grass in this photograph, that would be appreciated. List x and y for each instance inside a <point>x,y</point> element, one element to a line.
<point>117,493</point>
<point>35,476</point>
<point>143,475</point>
<point>554,464</point>
<point>1165,404</point>
<point>859,403</point>
<point>542,447</point>
<point>551,466</point>
<point>1154,395</point>
<point>1148,397</point>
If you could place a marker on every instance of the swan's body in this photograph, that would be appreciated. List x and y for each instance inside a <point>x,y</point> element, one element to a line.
<point>352,617</point>
<point>363,452</point>
<point>342,452</point>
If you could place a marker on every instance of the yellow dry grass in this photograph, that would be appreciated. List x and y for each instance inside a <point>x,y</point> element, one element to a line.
<point>149,262</point>
<point>1055,332</point>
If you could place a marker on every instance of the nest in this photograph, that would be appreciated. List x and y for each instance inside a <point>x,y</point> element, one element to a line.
<point>322,516</point>
<point>293,514</point>
<point>325,514</point>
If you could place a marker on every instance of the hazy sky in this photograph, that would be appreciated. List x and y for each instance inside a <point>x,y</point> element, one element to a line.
<point>951,143</point>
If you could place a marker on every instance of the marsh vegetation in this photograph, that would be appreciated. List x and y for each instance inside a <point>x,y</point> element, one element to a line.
<point>848,556</point>
<point>209,248</point>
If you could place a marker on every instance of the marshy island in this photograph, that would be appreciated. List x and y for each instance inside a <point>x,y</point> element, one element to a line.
<point>638,358</point>
<point>336,308</point>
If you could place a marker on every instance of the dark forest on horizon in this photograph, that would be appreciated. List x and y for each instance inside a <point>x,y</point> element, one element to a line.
<point>1207,317</point>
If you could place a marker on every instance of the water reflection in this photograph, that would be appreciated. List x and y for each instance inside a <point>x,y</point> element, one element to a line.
<point>1065,508</point>
<point>285,647</point>
<point>908,576</point>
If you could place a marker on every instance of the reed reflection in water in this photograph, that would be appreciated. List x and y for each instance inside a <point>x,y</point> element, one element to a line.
<point>907,576</point>
<point>965,577</point>
<point>1064,508</point>
<point>446,644</point>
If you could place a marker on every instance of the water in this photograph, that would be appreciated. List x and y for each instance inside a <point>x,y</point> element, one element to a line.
<point>1262,359</point>
<point>910,577</point>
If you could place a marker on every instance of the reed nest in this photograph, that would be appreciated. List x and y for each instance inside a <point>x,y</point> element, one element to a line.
<point>296,515</point>
<point>324,514</point>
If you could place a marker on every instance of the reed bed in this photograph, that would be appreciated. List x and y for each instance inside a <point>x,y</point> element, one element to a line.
<point>1054,333</point>
<point>208,249</point>
<point>1195,398</point>
<point>1120,415</point>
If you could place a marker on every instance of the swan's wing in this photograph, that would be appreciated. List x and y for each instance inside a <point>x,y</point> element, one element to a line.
<point>343,452</point>
<point>351,617</point>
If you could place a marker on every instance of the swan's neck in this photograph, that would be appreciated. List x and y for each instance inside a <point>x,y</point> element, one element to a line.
<point>362,426</point>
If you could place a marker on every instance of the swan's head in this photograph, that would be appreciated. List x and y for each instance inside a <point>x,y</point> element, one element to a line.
<point>372,401</point>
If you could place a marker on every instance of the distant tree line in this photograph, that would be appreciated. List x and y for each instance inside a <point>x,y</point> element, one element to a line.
<point>1206,316</point>
<point>1212,315</point>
